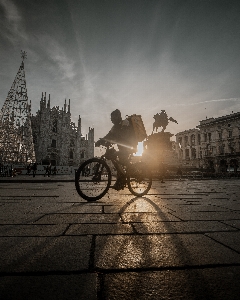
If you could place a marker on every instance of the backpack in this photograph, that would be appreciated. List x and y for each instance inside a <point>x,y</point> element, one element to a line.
<point>137,127</point>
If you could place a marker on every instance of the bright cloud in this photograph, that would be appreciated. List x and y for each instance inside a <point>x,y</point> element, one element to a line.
<point>14,25</point>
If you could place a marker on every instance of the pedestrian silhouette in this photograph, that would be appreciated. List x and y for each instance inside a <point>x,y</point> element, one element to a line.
<point>34,168</point>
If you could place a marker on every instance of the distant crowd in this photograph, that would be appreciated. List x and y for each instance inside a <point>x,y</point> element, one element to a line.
<point>48,170</point>
<point>31,169</point>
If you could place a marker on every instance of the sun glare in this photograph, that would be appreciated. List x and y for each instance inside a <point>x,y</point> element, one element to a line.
<point>139,149</point>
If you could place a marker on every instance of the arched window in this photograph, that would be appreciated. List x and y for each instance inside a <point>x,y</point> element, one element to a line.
<point>194,153</point>
<point>54,144</point>
<point>82,154</point>
<point>180,141</point>
<point>199,139</point>
<point>54,128</point>
<point>193,139</point>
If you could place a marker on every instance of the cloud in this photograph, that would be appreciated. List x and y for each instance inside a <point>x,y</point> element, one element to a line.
<point>57,54</point>
<point>207,101</point>
<point>13,22</point>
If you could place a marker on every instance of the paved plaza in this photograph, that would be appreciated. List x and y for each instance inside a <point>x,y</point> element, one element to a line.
<point>181,241</point>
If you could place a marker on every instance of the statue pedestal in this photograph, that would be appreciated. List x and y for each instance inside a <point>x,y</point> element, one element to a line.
<point>158,151</point>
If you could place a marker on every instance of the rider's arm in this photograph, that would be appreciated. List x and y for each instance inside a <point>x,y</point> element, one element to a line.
<point>110,138</point>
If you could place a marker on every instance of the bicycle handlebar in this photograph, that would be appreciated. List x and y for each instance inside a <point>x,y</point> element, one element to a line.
<point>103,142</point>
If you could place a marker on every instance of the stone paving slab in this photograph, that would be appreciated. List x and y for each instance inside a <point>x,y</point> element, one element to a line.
<point>194,284</point>
<point>19,218</point>
<point>99,229</point>
<point>233,223</point>
<point>47,286</point>
<point>231,239</point>
<point>152,251</point>
<point>66,218</point>
<point>207,216</point>
<point>32,230</point>
<point>182,227</point>
<point>34,207</point>
<point>34,254</point>
<point>148,217</point>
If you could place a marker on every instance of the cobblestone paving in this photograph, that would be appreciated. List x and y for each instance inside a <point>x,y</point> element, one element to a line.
<point>181,241</point>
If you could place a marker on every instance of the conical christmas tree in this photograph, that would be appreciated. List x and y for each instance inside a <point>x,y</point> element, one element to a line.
<point>16,140</point>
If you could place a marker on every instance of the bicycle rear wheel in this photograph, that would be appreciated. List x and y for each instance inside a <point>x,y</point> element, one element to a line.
<point>93,179</point>
<point>139,179</point>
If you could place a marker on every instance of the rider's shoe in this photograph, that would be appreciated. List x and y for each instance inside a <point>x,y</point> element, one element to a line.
<point>119,184</point>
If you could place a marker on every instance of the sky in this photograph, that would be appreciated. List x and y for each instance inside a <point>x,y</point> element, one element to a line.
<point>140,56</point>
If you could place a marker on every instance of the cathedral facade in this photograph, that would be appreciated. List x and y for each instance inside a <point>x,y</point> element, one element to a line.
<point>57,140</point>
<point>214,144</point>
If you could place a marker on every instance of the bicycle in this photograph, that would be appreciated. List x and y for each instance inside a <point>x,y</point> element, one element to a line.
<point>95,183</point>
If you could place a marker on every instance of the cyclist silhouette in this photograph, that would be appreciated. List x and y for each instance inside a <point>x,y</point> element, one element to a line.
<point>122,134</point>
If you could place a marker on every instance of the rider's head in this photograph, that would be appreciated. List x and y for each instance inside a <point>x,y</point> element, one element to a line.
<point>116,117</point>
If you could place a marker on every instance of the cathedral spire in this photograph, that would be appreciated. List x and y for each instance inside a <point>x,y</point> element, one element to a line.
<point>69,106</point>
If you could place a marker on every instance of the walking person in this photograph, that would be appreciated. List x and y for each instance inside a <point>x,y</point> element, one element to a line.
<point>46,171</point>
<point>11,171</point>
<point>49,170</point>
<point>34,168</point>
<point>28,169</point>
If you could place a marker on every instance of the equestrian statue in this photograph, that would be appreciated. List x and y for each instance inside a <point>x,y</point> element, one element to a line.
<point>162,120</point>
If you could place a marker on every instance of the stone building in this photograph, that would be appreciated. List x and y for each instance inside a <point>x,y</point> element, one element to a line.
<point>213,145</point>
<point>57,139</point>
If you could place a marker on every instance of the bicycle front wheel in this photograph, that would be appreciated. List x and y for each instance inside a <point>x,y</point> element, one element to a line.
<point>93,179</point>
<point>139,179</point>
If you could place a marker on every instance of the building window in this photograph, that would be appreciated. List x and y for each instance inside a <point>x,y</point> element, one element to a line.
<point>193,139</point>
<point>186,139</point>
<point>180,141</point>
<point>230,134</point>
<point>82,154</point>
<point>54,144</point>
<point>221,149</point>
<point>54,128</point>
<point>199,139</point>
<point>187,153</point>
<point>231,149</point>
<point>71,154</point>
<point>194,154</point>
<point>209,136</point>
<point>205,137</point>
